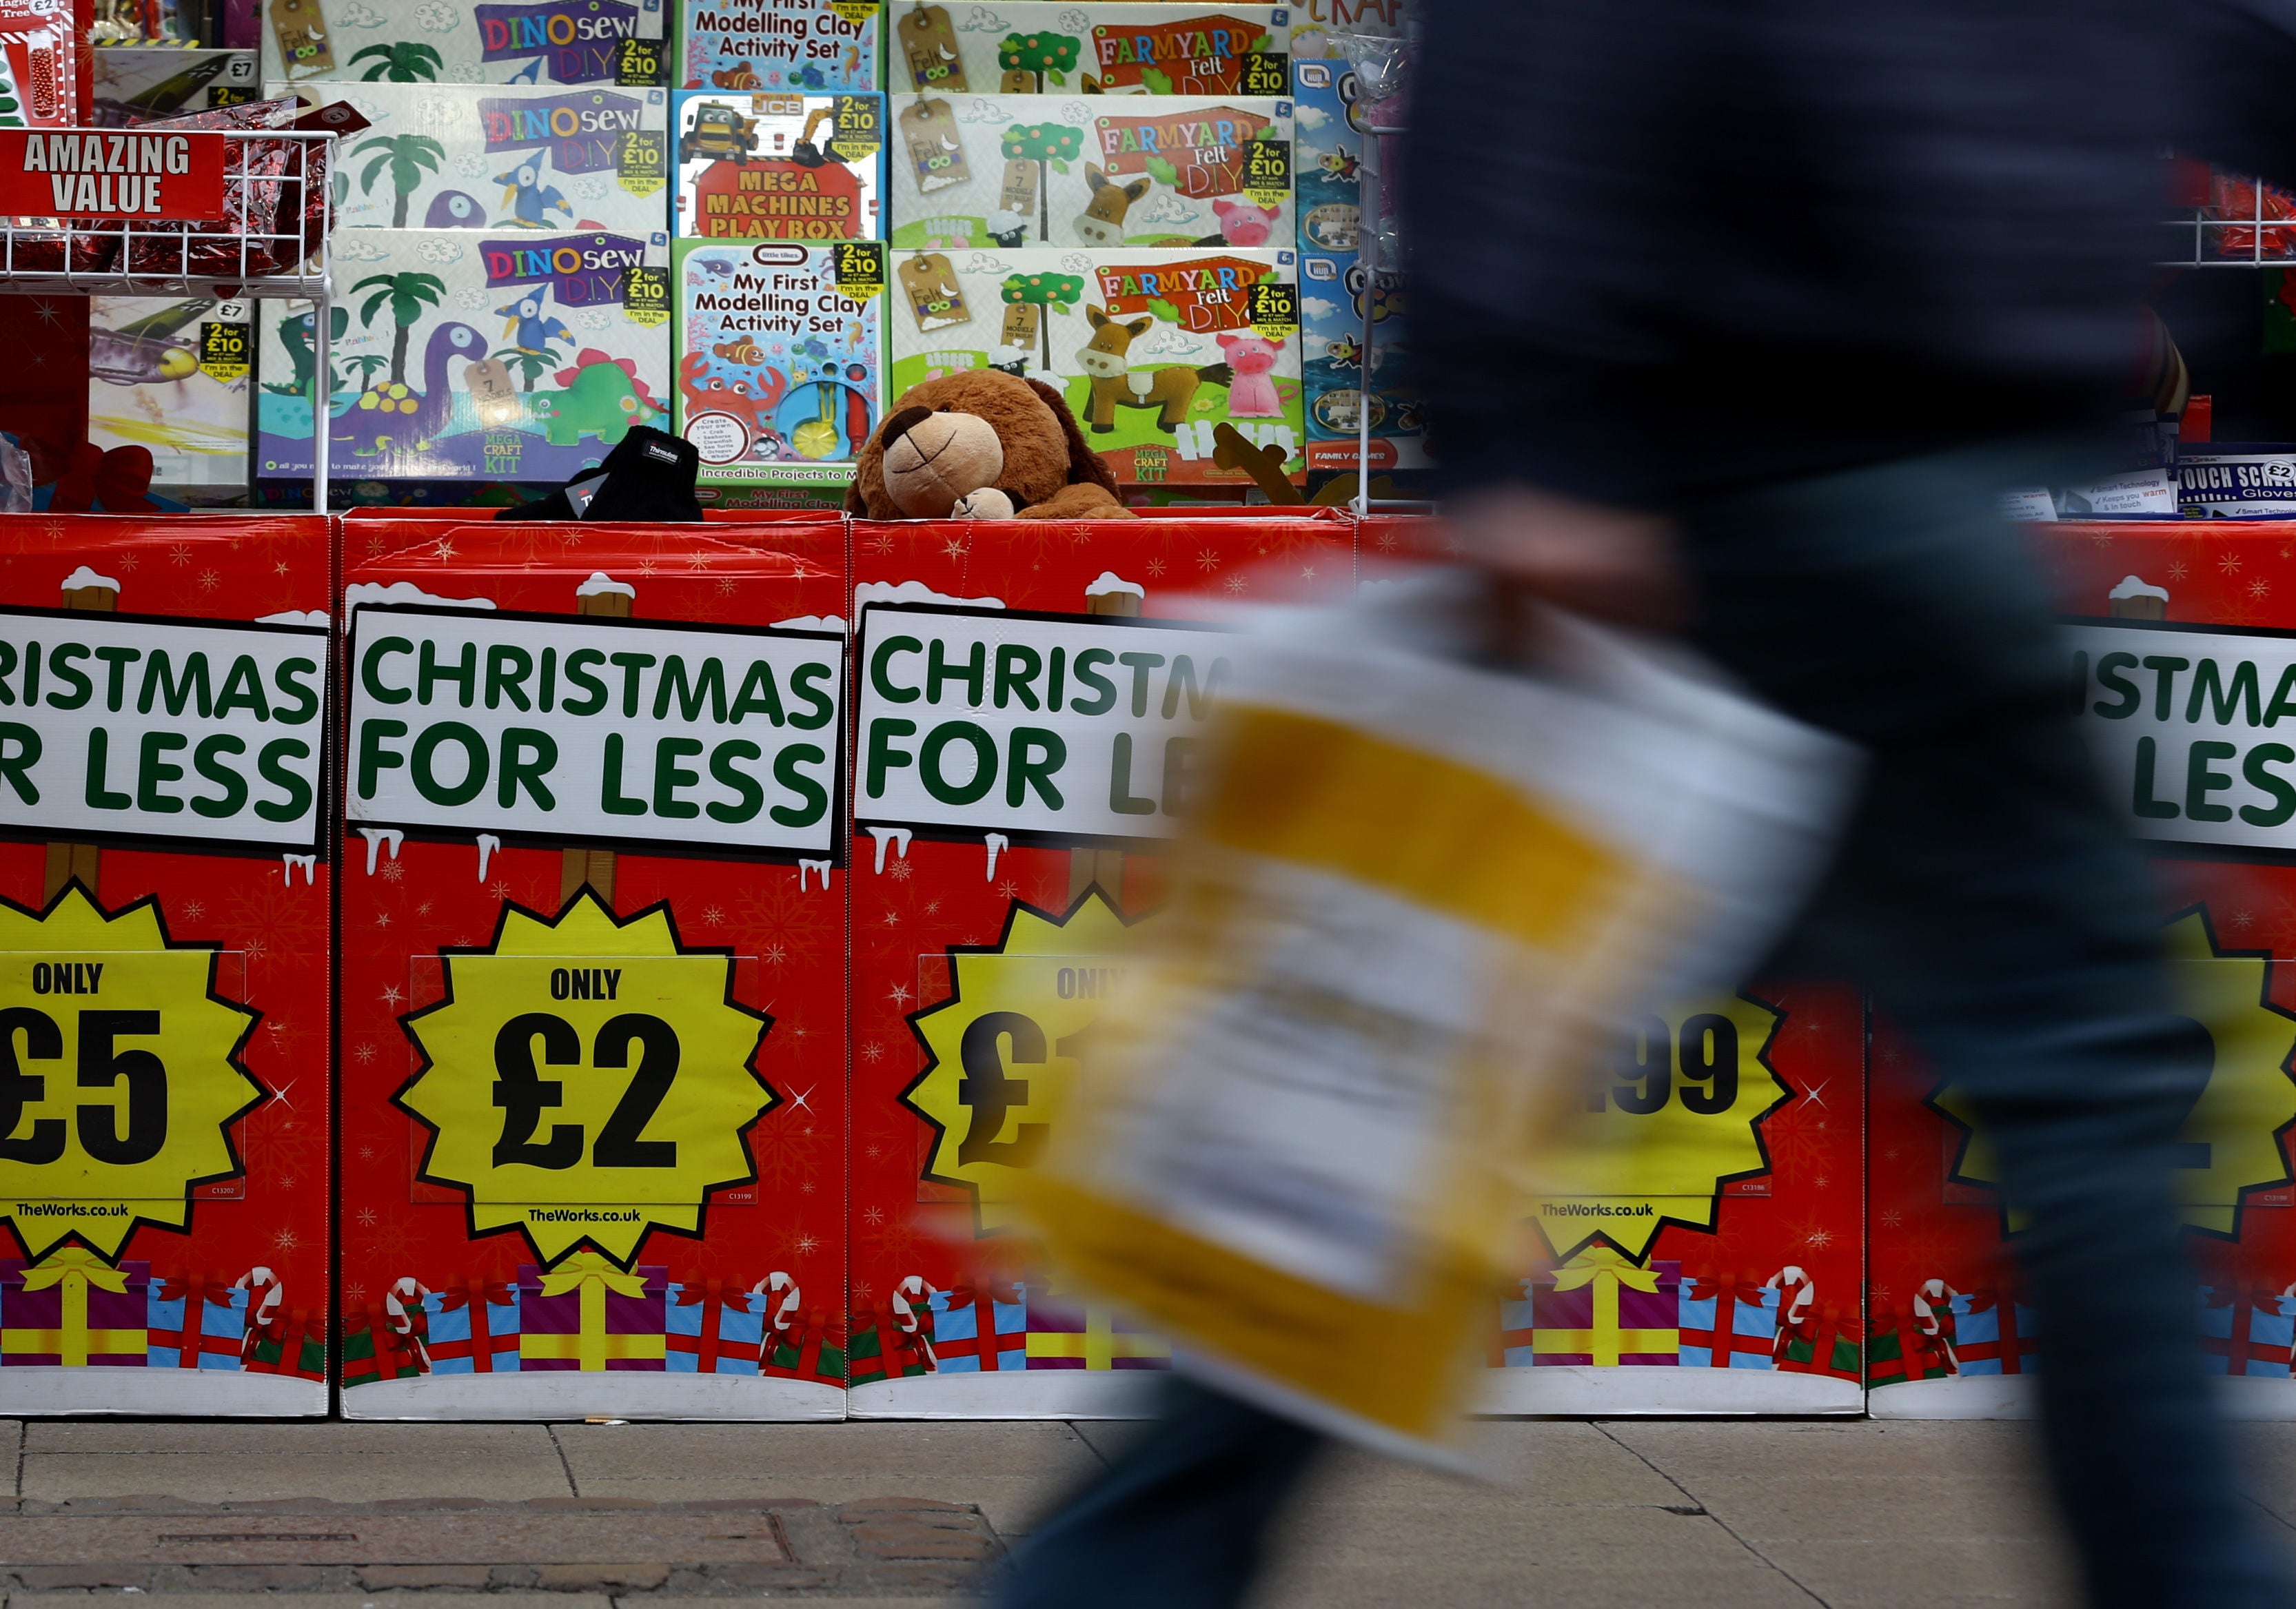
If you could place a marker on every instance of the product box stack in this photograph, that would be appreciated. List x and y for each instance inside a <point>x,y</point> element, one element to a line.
<point>502,261</point>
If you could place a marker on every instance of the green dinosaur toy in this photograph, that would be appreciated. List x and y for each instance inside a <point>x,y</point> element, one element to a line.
<point>601,401</point>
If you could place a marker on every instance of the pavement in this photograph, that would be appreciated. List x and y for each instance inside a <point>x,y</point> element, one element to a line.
<point>1651,1513</point>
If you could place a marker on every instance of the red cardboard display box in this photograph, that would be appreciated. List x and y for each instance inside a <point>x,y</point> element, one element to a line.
<point>2179,648</point>
<point>1026,701</point>
<point>164,889</point>
<point>592,973</point>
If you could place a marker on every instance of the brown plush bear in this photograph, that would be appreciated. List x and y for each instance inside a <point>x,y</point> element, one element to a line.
<point>981,443</point>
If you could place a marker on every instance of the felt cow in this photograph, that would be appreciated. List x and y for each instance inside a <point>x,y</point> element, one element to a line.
<point>1102,223</point>
<point>1115,384</point>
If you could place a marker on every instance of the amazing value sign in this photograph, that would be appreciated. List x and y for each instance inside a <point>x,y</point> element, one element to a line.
<point>127,726</point>
<point>2195,730</point>
<point>992,721</point>
<point>112,176</point>
<point>684,737</point>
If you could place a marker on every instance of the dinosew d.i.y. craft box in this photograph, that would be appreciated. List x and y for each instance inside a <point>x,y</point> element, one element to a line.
<point>774,167</point>
<point>165,884</point>
<point>780,367</point>
<point>1139,170</point>
<point>1119,49</point>
<point>593,1128</point>
<point>440,42</point>
<point>469,354</point>
<point>796,46</point>
<point>547,159</point>
<point>1154,349</point>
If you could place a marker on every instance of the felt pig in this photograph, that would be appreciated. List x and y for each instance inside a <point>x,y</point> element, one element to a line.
<point>1251,395</point>
<point>1242,224</point>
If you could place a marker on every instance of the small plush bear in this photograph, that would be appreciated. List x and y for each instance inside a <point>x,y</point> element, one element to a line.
<point>981,443</point>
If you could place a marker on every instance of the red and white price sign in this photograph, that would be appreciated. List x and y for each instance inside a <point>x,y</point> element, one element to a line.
<point>86,173</point>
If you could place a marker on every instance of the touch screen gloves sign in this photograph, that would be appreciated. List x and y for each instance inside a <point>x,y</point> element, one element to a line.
<point>681,737</point>
<point>119,1072</point>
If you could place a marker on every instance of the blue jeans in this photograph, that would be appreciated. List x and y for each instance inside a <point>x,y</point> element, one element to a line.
<point>1986,895</point>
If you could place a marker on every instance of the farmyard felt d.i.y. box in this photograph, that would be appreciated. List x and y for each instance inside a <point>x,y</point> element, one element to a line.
<point>165,878</point>
<point>1153,49</point>
<point>594,958</point>
<point>1140,171</point>
<point>1154,349</point>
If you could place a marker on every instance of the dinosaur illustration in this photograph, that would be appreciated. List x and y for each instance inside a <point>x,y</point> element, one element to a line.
<point>295,335</point>
<point>452,209</point>
<point>602,397</point>
<point>395,417</point>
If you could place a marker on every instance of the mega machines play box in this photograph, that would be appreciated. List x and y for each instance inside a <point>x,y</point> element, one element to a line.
<point>593,962</point>
<point>165,1033</point>
<point>1030,701</point>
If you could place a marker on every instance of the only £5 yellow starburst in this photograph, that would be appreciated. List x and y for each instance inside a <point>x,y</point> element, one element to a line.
<point>119,1072</point>
<point>587,1080</point>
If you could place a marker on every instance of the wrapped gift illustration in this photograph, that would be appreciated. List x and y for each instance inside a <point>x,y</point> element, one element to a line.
<point>1916,1344</point>
<point>2248,1330</point>
<point>806,1345</point>
<point>1600,1308</point>
<point>73,1310</point>
<point>1995,1332</point>
<point>1514,1348</point>
<point>892,1339</point>
<point>1094,1338</point>
<point>981,1327</point>
<point>195,1321</point>
<point>1824,1342</point>
<point>715,1329</point>
<point>378,1344</point>
<point>1728,1322</point>
<point>587,1314</point>
<point>471,1328</point>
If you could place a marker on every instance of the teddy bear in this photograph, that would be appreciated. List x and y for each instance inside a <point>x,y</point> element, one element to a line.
<point>981,443</point>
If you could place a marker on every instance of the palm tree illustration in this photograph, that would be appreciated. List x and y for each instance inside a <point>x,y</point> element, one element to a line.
<point>531,366</point>
<point>366,364</point>
<point>407,294</point>
<point>401,63</point>
<point>408,157</point>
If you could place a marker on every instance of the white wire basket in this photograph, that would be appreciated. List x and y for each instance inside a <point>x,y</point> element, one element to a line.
<point>272,241</point>
<point>2245,225</point>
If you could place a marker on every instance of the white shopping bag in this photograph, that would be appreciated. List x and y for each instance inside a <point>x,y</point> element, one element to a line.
<point>1415,894</point>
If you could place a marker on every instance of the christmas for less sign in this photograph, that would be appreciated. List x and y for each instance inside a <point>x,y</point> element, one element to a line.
<point>122,726</point>
<point>992,721</point>
<point>672,735</point>
<point>177,177</point>
<point>2195,730</point>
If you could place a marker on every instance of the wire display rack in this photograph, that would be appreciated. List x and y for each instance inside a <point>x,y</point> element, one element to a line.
<point>2244,224</point>
<point>271,244</point>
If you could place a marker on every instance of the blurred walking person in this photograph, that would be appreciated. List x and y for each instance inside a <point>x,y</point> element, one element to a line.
<point>1734,319</point>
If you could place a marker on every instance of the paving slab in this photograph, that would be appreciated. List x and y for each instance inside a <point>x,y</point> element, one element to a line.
<point>1907,1572</point>
<point>239,1476</point>
<point>316,1600</point>
<point>276,1439</point>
